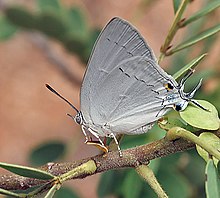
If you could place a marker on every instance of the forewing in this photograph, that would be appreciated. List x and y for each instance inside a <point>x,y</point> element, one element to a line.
<point>117,42</point>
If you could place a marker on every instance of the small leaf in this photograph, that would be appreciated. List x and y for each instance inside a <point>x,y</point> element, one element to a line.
<point>47,153</point>
<point>27,171</point>
<point>202,12</point>
<point>195,39</point>
<point>21,17</point>
<point>200,118</point>
<point>176,4</point>
<point>9,193</point>
<point>7,29</point>
<point>212,184</point>
<point>212,140</point>
<point>190,65</point>
<point>52,191</point>
<point>52,25</point>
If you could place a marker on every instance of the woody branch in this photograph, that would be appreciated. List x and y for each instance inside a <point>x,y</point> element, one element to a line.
<point>132,158</point>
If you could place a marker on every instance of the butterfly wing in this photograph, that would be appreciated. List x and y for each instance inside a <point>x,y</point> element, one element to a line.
<point>132,96</point>
<point>117,42</point>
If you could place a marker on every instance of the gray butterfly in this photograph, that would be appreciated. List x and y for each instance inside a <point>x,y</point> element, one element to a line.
<point>124,90</point>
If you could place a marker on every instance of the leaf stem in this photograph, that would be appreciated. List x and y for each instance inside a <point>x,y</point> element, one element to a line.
<point>177,132</point>
<point>85,168</point>
<point>173,29</point>
<point>148,175</point>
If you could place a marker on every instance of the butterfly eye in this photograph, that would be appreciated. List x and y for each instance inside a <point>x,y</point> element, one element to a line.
<point>168,87</point>
<point>78,119</point>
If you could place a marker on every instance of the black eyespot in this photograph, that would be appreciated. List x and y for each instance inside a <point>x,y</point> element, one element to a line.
<point>178,107</point>
<point>169,86</point>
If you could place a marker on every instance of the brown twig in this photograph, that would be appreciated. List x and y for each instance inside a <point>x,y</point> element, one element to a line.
<point>131,158</point>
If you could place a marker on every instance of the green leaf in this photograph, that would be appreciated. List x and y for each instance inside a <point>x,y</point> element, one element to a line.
<point>66,193</point>
<point>174,183</point>
<point>49,5</point>
<point>21,17</point>
<point>27,171</point>
<point>176,4</point>
<point>193,169</point>
<point>195,39</point>
<point>202,12</point>
<point>132,185</point>
<point>212,140</point>
<point>9,193</point>
<point>190,65</point>
<point>52,25</point>
<point>77,24</point>
<point>212,184</point>
<point>110,183</point>
<point>52,191</point>
<point>47,153</point>
<point>200,118</point>
<point>7,29</point>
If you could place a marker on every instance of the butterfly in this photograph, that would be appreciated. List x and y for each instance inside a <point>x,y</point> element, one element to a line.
<point>124,90</point>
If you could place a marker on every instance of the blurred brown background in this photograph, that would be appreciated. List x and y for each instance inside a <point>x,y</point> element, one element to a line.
<point>30,114</point>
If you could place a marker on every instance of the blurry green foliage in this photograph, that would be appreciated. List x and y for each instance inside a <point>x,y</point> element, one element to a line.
<point>176,4</point>
<point>181,175</point>
<point>6,28</point>
<point>21,18</point>
<point>49,5</point>
<point>213,180</point>
<point>65,192</point>
<point>67,25</point>
<point>47,152</point>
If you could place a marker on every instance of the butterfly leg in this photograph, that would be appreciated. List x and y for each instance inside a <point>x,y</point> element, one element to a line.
<point>84,132</point>
<point>116,142</point>
<point>99,144</point>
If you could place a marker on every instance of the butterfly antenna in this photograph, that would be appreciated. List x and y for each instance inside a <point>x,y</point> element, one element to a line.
<point>55,92</point>
<point>199,105</point>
